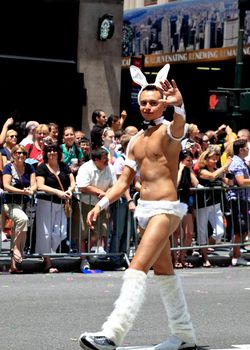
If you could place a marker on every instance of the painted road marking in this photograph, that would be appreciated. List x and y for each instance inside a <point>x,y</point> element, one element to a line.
<point>150,347</point>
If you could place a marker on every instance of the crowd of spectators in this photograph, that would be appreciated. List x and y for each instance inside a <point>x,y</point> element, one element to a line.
<point>81,169</point>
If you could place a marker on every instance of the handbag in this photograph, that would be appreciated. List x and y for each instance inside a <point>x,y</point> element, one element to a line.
<point>67,208</point>
<point>67,205</point>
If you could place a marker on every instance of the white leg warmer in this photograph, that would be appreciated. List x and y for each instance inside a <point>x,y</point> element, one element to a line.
<point>127,306</point>
<point>175,304</point>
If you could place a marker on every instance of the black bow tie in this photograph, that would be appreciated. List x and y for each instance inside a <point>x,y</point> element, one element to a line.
<point>145,124</point>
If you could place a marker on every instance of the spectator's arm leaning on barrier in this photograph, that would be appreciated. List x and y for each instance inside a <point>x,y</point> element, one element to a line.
<point>50,190</point>
<point>86,187</point>
<point>92,190</point>
<point>194,180</point>
<point>96,176</point>
<point>25,191</point>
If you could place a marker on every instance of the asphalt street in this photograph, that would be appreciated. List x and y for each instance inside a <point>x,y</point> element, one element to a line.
<point>43,312</point>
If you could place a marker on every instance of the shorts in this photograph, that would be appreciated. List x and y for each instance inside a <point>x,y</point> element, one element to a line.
<point>147,209</point>
<point>240,216</point>
<point>16,213</point>
<point>100,226</point>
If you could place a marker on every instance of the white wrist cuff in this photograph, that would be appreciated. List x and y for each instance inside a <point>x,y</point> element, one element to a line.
<point>103,203</point>
<point>180,111</point>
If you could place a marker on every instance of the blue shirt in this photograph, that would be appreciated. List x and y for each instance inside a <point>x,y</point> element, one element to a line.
<point>18,182</point>
<point>238,167</point>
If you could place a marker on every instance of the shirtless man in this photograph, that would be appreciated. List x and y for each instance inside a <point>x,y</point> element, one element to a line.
<point>155,152</point>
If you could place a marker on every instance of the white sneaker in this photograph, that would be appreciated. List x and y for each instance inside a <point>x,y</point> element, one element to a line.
<point>84,265</point>
<point>92,341</point>
<point>97,250</point>
<point>240,261</point>
<point>174,343</point>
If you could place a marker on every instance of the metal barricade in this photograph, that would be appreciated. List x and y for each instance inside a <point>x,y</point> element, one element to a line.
<point>78,231</point>
<point>103,247</point>
<point>28,206</point>
<point>213,199</point>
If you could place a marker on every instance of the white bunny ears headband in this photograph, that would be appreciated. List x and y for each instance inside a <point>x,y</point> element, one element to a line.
<point>139,78</point>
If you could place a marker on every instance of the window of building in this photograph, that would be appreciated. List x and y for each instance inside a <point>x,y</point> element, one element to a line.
<point>150,2</point>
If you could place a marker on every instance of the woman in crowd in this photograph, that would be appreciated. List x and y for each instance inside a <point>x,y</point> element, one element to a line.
<point>20,181</point>
<point>10,143</point>
<point>208,202</point>
<point>185,180</point>
<point>56,179</point>
<point>36,149</point>
<point>72,154</point>
<point>192,135</point>
<point>108,139</point>
<point>204,141</point>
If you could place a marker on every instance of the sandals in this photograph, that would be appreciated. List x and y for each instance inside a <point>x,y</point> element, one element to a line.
<point>50,269</point>
<point>206,264</point>
<point>16,263</point>
<point>15,271</point>
<point>188,265</point>
<point>178,265</point>
<point>17,257</point>
<point>184,264</point>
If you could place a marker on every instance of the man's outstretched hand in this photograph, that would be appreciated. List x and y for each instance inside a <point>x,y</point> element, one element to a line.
<point>171,93</point>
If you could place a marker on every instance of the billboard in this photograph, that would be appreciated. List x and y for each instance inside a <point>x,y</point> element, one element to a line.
<point>184,31</point>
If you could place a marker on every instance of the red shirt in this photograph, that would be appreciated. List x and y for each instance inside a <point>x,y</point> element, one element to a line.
<point>35,153</point>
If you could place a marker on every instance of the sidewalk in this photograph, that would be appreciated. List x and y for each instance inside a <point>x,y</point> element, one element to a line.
<point>66,263</point>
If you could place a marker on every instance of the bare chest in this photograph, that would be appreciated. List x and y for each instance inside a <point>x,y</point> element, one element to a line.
<point>151,145</point>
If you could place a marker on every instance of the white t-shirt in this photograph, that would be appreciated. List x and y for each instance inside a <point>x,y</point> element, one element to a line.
<point>89,175</point>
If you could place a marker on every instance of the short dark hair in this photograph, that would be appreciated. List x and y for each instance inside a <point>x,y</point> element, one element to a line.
<point>97,153</point>
<point>184,154</point>
<point>152,88</point>
<point>96,114</point>
<point>237,145</point>
<point>84,139</point>
<point>55,147</point>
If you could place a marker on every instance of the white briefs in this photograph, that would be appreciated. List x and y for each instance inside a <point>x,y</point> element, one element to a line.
<point>146,209</point>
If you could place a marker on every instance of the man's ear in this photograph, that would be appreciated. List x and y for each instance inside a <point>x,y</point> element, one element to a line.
<point>165,105</point>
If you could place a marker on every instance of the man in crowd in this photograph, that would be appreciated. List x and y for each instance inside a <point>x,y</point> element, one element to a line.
<point>240,198</point>
<point>94,179</point>
<point>244,134</point>
<point>99,120</point>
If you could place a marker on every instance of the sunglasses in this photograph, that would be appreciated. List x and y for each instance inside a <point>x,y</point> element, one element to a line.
<point>21,152</point>
<point>11,136</point>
